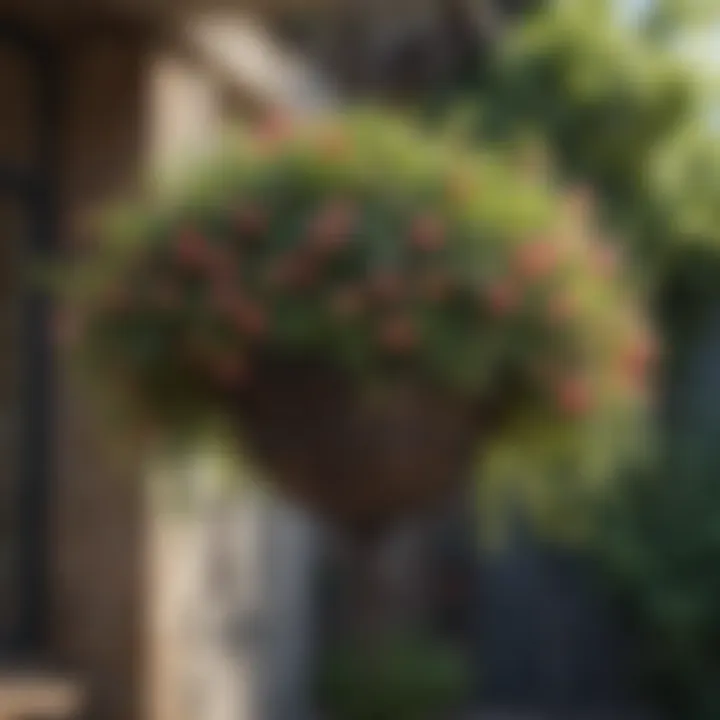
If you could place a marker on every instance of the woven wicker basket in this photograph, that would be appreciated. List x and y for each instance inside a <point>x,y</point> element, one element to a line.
<point>362,458</point>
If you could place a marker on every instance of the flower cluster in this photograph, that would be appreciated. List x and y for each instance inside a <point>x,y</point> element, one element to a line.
<point>368,245</point>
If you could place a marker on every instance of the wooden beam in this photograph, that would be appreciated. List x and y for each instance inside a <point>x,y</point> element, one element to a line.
<point>250,60</point>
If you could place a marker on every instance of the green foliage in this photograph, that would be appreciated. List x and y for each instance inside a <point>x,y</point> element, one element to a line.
<point>685,183</point>
<point>669,18</point>
<point>397,680</point>
<point>615,110</point>
<point>686,178</point>
<point>606,102</point>
<point>660,544</point>
<point>660,541</point>
<point>377,248</point>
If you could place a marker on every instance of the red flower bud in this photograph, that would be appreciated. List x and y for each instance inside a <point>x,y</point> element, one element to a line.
<point>640,358</point>
<point>536,259</point>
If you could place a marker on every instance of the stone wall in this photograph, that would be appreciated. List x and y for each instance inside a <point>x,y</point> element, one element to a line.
<point>229,622</point>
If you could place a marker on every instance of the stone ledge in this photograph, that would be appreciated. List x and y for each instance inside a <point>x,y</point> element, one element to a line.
<point>39,696</point>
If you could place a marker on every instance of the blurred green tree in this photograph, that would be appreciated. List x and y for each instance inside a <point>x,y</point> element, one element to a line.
<point>607,101</point>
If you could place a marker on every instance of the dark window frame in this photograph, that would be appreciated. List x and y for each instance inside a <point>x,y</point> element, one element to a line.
<point>34,189</point>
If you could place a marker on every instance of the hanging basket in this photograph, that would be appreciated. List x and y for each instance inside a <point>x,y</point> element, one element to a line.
<point>362,457</point>
<point>426,286</point>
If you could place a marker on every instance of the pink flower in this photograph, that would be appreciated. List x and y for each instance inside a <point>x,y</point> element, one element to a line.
<point>641,357</point>
<point>536,259</point>
<point>427,233</point>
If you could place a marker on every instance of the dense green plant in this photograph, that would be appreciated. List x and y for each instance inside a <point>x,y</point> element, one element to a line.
<point>613,107</point>
<point>660,546</point>
<point>398,679</point>
<point>378,249</point>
